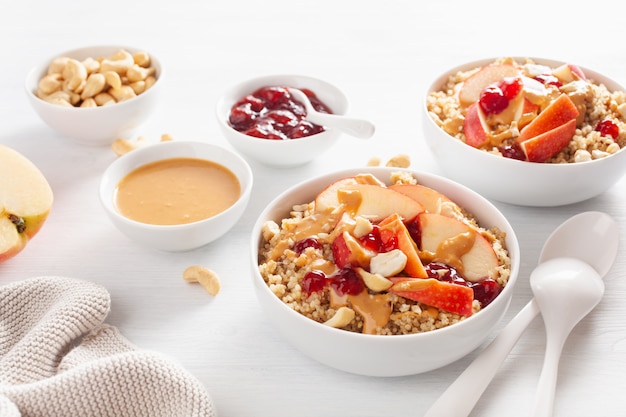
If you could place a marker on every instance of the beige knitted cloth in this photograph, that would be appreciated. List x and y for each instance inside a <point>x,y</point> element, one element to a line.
<point>58,358</point>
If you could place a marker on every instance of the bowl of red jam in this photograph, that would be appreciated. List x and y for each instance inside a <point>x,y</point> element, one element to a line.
<point>527,131</point>
<point>261,120</point>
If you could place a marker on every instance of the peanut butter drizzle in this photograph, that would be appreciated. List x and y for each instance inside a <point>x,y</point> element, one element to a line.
<point>375,309</point>
<point>351,199</point>
<point>315,224</point>
<point>450,251</point>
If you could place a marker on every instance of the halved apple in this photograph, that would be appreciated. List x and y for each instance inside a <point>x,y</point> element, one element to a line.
<point>476,83</point>
<point>454,243</point>
<point>544,146</point>
<point>394,233</point>
<point>451,297</point>
<point>25,201</point>
<point>376,203</point>
<point>430,199</point>
<point>559,112</point>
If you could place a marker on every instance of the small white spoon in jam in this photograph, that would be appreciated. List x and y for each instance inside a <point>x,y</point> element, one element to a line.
<point>591,238</point>
<point>355,127</point>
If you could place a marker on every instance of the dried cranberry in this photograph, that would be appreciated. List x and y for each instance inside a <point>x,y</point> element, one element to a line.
<point>608,128</point>
<point>486,291</point>
<point>443,272</point>
<point>495,98</point>
<point>309,242</point>
<point>347,281</point>
<point>372,240</point>
<point>513,151</point>
<point>314,281</point>
<point>414,230</point>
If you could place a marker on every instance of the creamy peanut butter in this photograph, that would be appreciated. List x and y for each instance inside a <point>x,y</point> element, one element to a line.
<point>176,191</point>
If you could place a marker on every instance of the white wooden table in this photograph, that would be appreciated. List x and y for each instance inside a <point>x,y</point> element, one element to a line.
<point>383,57</point>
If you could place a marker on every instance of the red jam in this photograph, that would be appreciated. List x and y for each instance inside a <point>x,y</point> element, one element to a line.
<point>608,128</point>
<point>272,113</point>
<point>496,97</point>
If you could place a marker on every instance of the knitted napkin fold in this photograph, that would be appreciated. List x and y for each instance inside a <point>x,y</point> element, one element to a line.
<point>58,358</point>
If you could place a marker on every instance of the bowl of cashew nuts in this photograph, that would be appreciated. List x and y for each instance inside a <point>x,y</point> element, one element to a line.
<point>94,95</point>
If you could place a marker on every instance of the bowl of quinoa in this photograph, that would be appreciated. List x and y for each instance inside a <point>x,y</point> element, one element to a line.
<point>490,126</point>
<point>355,308</point>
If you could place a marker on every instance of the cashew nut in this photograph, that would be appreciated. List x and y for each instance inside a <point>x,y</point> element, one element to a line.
<point>104,99</point>
<point>113,79</point>
<point>136,73</point>
<point>118,62</point>
<point>50,83</point>
<point>142,59</point>
<point>388,264</point>
<point>58,65</point>
<point>74,73</point>
<point>94,85</point>
<point>342,318</point>
<point>206,277</point>
<point>90,102</point>
<point>125,92</point>
<point>374,282</point>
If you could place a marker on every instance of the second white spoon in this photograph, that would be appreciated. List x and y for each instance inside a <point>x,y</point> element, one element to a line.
<point>590,236</point>
<point>566,289</point>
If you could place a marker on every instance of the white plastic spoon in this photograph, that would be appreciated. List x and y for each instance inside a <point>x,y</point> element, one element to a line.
<point>566,289</point>
<point>591,237</point>
<point>355,127</point>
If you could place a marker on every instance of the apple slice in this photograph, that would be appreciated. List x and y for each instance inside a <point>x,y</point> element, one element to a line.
<point>394,234</point>
<point>376,203</point>
<point>348,252</point>
<point>567,73</point>
<point>544,146</point>
<point>430,199</point>
<point>328,200</point>
<point>559,112</point>
<point>451,297</point>
<point>476,83</point>
<point>25,201</point>
<point>449,240</point>
<point>475,127</point>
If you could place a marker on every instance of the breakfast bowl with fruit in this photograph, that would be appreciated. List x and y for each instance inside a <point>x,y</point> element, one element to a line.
<point>94,95</point>
<point>527,131</point>
<point>177,195</point>
<point>263,120</point>
<point>383,271</point>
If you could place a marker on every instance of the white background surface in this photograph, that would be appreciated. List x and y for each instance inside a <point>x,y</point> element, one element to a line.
<point>383,57</point>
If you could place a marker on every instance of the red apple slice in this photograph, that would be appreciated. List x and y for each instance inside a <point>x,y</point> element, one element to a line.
<point>567,73</point>
<point>475,127</point>
<point>375,202</point>
<point>430,199</point>
<point>445,295</point>
<point>544,146</point>
<point>476,83</point>
<point>394,234</point>
<point>25,201</point>
<point>449,239</point>
<point>348,252</point>
<point>328,199</point>
<point>559,112</point>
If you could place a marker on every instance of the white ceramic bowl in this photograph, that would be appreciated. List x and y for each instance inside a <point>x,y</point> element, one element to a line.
<point>519,182</point>
<point>100,125</point>
<point>175,238</point>
<point>376,355</point>
<point>286,153</point>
